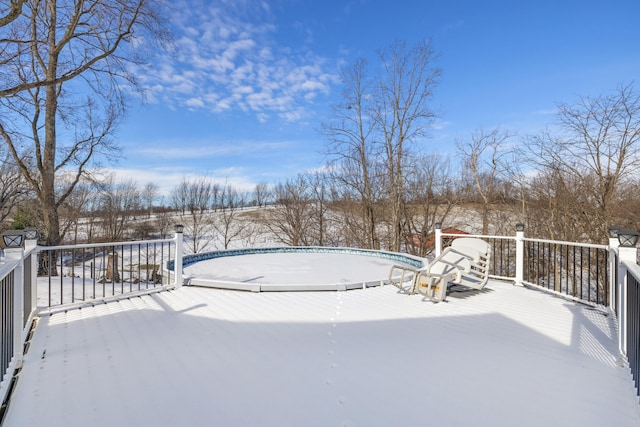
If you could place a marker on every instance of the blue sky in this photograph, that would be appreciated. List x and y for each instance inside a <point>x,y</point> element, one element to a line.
<point>241,96</point>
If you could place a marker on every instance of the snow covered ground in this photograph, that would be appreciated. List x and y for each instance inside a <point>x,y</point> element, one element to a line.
<point>504,356</point>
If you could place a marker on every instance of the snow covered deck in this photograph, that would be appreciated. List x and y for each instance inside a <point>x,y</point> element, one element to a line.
<point>503,356</point>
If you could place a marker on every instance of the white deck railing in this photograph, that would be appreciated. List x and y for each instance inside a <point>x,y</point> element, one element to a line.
<point>628,309</point>
<point>577,271</point>
<point>79,274</point>
<point>17,310</point>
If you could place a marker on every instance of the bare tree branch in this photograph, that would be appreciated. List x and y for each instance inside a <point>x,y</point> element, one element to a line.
<point>15,8</point>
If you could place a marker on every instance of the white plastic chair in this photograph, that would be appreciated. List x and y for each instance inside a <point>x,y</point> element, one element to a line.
<point>478,276</point>
<point>464,263</point>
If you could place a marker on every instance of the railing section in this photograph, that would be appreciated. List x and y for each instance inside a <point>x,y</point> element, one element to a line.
<point>7,317</point>
<point>80,273</point>
<point>503,254</point>
<point>503,257</point>
<point>15,315</point>
<point>614,300</point>
<point>577,270</point>
<point>633,328</point>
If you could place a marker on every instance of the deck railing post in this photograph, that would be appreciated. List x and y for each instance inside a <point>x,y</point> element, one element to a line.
<point>31,256</point>
<point>438,237</point>
<point>613,251</point>
<point>519,279</point>
<point>18,301</point>
<point>625,255</point>
<point>34,279</point>
<point>177,265</point>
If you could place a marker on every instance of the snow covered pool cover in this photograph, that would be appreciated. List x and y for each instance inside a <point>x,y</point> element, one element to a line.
<point>295,269</point>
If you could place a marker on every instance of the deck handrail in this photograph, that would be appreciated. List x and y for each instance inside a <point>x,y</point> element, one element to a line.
<point>115,269</point>
<point>105,244</point>
<point>519,266</point>
<point>529,239</point>
<point>565,243</point>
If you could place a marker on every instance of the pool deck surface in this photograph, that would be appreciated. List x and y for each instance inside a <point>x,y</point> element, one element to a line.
<point>504,356</point>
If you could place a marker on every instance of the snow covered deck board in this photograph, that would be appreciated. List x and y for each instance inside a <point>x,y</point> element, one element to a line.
<point>503,356</point>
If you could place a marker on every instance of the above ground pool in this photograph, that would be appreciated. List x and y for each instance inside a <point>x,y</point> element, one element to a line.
<point>293,268</point>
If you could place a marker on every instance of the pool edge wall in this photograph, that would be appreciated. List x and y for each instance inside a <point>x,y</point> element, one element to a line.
<point>264,287</point>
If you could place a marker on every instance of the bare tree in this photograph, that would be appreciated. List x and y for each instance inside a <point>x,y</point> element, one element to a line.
<point>227,221</point>
<point>628,204</point>
<point>149,194</point>
<point>13,188</point>
<point>193,200</point>
<point>216,195</point>
<point>299,215</point>
<point>117,203</point>
<point>52,51</point>
<point>262,194</point>
<point>558,205</point>
<point>164,223</point>
<point>371,134</point>
<point>351,149</point>
<point>598,146</point>
<point>75,208</point>
<point>403,113</point>
<point>517,184</point>
<point>318,183</point>
<point>432,194</point>
<point>291,218</point>
<point>180,196</point>
<point>483,158</point>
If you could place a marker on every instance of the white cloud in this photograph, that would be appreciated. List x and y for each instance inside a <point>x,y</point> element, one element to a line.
<point>194,102</point>
<point>441,124</point>
<point>547,112</point>
<point>453,26</point>
<point>203,149</point>
<point>292,116</point>
<point>226,58</point>
<point>243,89</point>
